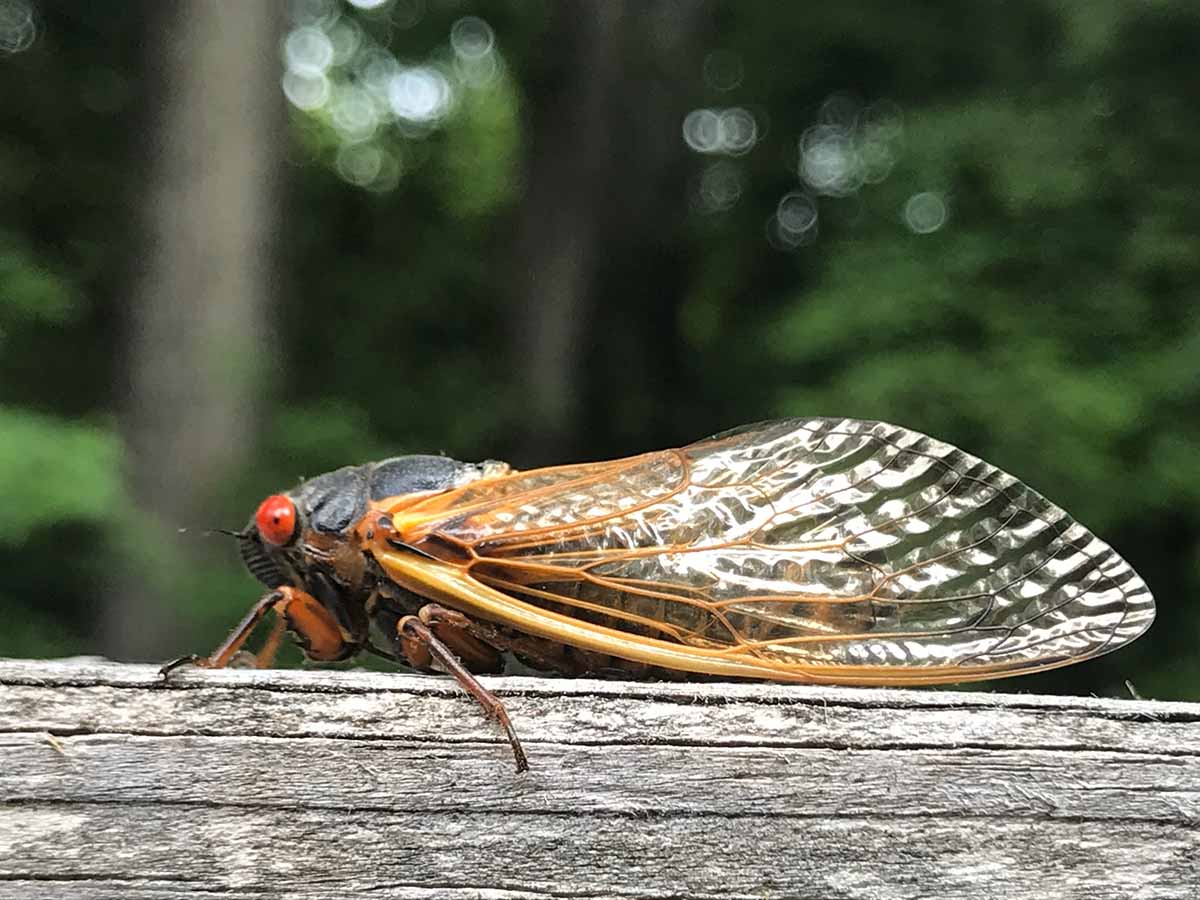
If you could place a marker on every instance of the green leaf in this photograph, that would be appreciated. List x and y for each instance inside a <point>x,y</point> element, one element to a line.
<point>54,470</point>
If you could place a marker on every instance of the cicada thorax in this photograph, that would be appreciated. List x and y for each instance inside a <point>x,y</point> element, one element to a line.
<point>307,539</point>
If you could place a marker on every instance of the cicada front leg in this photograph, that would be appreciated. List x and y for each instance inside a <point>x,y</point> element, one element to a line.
<point>299,612</point>
<point>422,646</point>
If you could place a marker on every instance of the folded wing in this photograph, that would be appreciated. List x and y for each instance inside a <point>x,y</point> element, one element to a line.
<point>848,550</point>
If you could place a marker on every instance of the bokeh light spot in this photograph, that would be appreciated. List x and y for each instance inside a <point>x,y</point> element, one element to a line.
<point>850,145</point>
<point>840,110</point>
<point>738,130</point>
<point>354,113</point>
<point>363,101</point>
<point>796,213</point>
<point>407,13</point>
<point>732,131</point>
<point>369,166</point>
<point>721,186</point>
<point>472,38</point>
<point>375,70</point>
<point>307,92</point>
<point>828,161</point>
<point>359,163</point>
<point>723,70</point>
<point>702,130</point>
<point>308,51</point>
<point>17,27</point>
<point>479,72</point>
<point>419,94</point>
<point>312,12</point>
<point>346,37</point>
<point>782,238</point>
<point>926,212</point>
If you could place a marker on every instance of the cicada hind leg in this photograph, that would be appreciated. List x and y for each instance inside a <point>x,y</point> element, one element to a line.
<point>440,638</point>
<point>315,627</point>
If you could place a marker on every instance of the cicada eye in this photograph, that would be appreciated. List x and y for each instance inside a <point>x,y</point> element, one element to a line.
<point>276,520</point>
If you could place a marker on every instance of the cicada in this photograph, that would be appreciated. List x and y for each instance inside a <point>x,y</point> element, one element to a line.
<point>831,551</point>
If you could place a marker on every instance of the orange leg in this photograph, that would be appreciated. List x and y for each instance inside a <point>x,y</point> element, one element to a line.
<point>265,657</point>
<point>300,613</point>
<point>417,639</point>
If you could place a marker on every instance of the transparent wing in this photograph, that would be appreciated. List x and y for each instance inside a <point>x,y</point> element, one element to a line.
<point>853,551</point>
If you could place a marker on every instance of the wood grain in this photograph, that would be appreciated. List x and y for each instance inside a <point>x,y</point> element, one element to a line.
<point>339,784</point>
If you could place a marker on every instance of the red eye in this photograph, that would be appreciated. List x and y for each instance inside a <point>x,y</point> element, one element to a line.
<point>276,519</point>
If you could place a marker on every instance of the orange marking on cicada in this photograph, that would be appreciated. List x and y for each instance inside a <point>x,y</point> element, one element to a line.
<point>434,508</point>
<point>616,612</point>
<point>266,654</point>
<point>608,611</point>
<point>319,633</point>
<point>314,625</point>
<point>618,586</point>
<point>594,525</point>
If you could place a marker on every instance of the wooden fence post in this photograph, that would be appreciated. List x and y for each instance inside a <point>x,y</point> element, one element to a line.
<point>319,784</point>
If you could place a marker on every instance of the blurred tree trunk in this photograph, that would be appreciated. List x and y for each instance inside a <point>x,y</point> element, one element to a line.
<point>567,167</point>
<point>604,170</point>
<point>202,279</point>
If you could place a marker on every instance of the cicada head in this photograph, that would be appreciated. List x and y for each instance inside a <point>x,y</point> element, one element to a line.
<point>305,537</point>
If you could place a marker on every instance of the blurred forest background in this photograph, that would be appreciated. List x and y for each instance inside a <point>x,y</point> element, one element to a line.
<point>242,243</point>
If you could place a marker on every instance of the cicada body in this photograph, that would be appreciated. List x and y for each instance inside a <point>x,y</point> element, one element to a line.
<point>808,550</point>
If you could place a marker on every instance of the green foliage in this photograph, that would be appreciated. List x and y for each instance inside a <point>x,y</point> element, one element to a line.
<point>478,176</point>
<point>54,471</point>
<point>29,292</point>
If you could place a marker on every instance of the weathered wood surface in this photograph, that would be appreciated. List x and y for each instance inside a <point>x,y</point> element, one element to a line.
<point>345,784</point>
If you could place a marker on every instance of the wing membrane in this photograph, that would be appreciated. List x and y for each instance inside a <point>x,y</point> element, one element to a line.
<point>833,549</point>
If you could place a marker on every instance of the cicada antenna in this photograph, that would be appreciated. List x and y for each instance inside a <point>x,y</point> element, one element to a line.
<point>236,534</point>
<point>208,532</point>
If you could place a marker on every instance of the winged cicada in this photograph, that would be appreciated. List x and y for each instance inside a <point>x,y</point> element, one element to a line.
<point>809,550</point>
